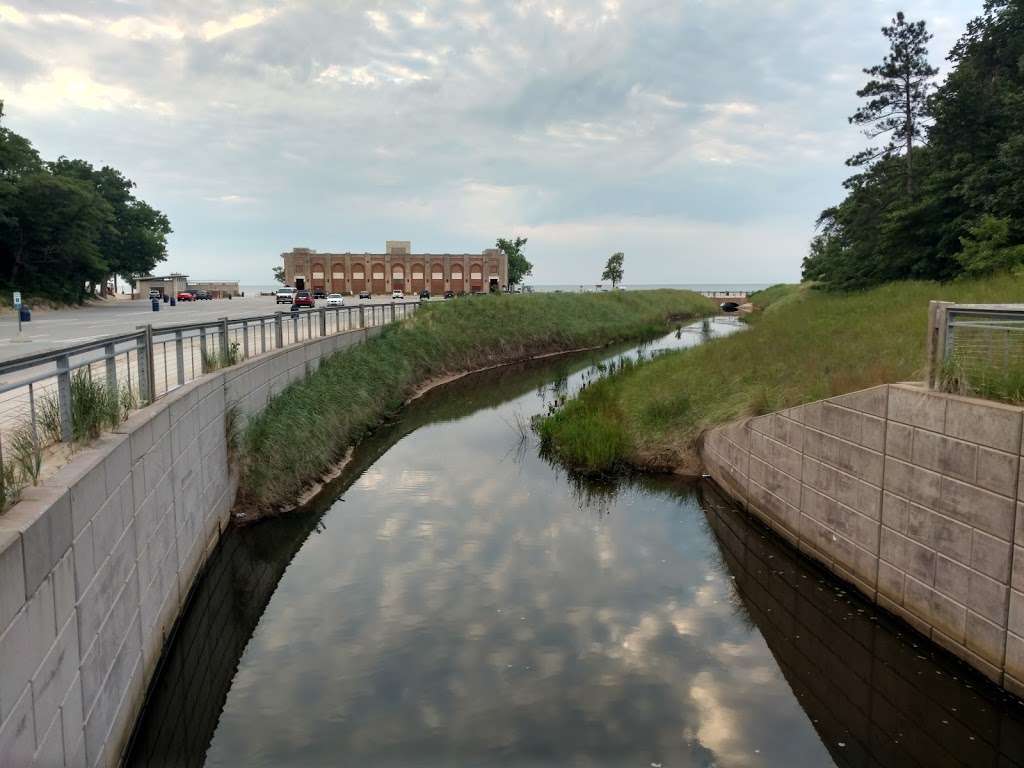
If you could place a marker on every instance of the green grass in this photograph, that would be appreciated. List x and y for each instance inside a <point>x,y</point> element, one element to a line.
<point>805,345</point>
<point>304,430</point>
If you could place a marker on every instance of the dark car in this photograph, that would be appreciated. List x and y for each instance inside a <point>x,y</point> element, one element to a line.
<point>202,295</point>
<point>729,306</point>
<point>364,294</point>
<point>449,294</point>
<point>424,294</point>
<point>304,299</point>
<point>318,293</point>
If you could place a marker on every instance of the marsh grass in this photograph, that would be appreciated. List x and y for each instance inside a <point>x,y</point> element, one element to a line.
<point>26,453</point>
<point>805,345</point>
<point>303,431</point>
<point>214,361</point>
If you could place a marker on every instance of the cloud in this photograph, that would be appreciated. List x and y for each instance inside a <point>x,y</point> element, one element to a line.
<point>451,122</point>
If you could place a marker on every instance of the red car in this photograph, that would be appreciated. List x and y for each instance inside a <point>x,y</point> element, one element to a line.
<point>304,299</point>
<point>185,296</point>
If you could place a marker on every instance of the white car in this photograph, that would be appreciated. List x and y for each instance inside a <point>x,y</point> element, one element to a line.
<point>397,294</point>
<point>335,300</point>
<point>285,296</point>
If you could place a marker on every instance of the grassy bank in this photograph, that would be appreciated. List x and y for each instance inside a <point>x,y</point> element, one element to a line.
<point>303,431</point>
<point>802,345</point>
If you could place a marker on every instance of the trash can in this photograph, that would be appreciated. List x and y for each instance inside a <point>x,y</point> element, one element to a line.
<point>156,304</point>
<point>174,303</point>
<point>164,297</point>
<point>24,314</point>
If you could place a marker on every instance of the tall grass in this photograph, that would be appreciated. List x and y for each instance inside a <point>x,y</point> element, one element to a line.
<point>95,408</point>
<point>805,345</point>
<point>307,427</point>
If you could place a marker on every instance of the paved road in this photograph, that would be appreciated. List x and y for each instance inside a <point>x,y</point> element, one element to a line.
<point>51,329</point>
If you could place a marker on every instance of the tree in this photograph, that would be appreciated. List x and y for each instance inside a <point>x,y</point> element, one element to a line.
<point>613,268</point>
<point>137,240</point>
<point>518,266</point>
<point>898,96</point>
<point>988,248</point>
<point>279,274</point>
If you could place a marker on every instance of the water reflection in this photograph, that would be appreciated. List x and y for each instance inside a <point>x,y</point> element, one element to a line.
<point>461,602</point>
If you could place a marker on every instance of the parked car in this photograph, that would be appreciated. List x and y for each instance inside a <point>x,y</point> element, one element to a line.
<point>335,300</point>
<point>397,295</point>
<point>285,296</point>
<point>364,294</point>
<point>424,294</point>
<point>155,293</point>
<point>201,295</point>
<point>449,294</point>
<point>185,296</point>
<point>318,293</point>
<point>304,299</point>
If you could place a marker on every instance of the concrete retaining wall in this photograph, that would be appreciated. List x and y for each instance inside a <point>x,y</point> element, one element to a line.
<point>96,563</point>
<point>910,495</point>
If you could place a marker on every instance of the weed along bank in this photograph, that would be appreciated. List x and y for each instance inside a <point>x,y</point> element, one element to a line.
<point>98,560</point>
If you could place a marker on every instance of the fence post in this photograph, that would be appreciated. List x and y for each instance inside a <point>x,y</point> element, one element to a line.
<point>111,363</point>
<point>323,322</point>
<point>147,373</point>
<point>263,335</point>
<point>278,330</point>
<point>224,338</point>
<point>64,397</point>
<point>362,317</point>
<point>938,361</point>
<point>245,339</point>
<point>202,349</point>
<point>179,353</point>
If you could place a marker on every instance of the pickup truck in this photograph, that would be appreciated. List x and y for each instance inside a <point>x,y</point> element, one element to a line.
<point>285,296</point>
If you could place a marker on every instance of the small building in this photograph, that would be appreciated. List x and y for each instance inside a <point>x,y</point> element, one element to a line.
<point>169,285</point>
<point>398,268</point>
<point>219,289</point>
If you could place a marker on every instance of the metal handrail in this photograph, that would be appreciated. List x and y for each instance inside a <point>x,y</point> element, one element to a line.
<point>139,365</point>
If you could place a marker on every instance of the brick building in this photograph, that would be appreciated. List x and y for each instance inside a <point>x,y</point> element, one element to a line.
<point>396,268</point>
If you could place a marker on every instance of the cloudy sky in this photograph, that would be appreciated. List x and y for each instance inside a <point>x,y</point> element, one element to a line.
<point>700,137</point>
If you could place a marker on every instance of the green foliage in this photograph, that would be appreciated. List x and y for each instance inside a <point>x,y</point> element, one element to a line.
<point>987,248</point>
<point>806,346</point>
<point>95,407</point>
<point>213,361</point>
<point>309,425</point>
<point>26,453</point>
<point>518,266</point>
<point>279,274</point>
<point>66,226</point>
<point>12,482</point>
<point>970,172</point>
<point>613,268</point>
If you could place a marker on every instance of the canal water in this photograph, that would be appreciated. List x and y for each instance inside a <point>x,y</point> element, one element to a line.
<point>455,600</point>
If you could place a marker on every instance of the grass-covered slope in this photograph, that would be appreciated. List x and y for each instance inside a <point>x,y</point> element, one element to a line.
<point>802,345</point>
<point>304,430</point>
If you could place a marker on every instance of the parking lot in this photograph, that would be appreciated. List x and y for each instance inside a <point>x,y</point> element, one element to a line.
<point>54,328</point>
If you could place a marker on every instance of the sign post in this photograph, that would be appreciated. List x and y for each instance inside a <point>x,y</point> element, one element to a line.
<point>23,313</point>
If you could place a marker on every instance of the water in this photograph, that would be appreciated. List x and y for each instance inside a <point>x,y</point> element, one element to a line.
<point>453,599</point>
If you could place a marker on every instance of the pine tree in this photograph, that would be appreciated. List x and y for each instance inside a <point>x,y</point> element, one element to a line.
<point>897,96</point>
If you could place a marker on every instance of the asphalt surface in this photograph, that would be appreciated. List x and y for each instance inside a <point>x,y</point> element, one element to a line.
<point>55,328</point>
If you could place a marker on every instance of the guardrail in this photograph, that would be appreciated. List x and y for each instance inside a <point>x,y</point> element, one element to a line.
<point>977,349</point>
<point>38,392</point>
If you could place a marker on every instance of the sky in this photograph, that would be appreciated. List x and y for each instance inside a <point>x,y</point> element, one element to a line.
<point>700,137</point>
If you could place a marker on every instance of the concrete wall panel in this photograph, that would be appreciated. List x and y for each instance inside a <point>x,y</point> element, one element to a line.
<point>913,496</point>
<point>95,564</point>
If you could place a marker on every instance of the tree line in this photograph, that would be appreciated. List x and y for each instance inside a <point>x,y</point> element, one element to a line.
<point>68,229</point>
<point>943,194</point>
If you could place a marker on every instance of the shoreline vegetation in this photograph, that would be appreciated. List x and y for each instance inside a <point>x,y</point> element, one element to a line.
<point>802,345</point>
<point>304,431</point>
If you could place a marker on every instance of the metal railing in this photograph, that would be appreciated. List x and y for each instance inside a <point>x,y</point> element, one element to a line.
<point>977,349</point>
<point>37,391</point>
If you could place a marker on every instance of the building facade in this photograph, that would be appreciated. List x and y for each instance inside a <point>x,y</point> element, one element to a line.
<point>219,289</point>
<point>396,269</point>
<point>167,285</point>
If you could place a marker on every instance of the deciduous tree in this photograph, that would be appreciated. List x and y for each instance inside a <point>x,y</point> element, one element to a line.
<point>518,266</point>
<point>613,268</point>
